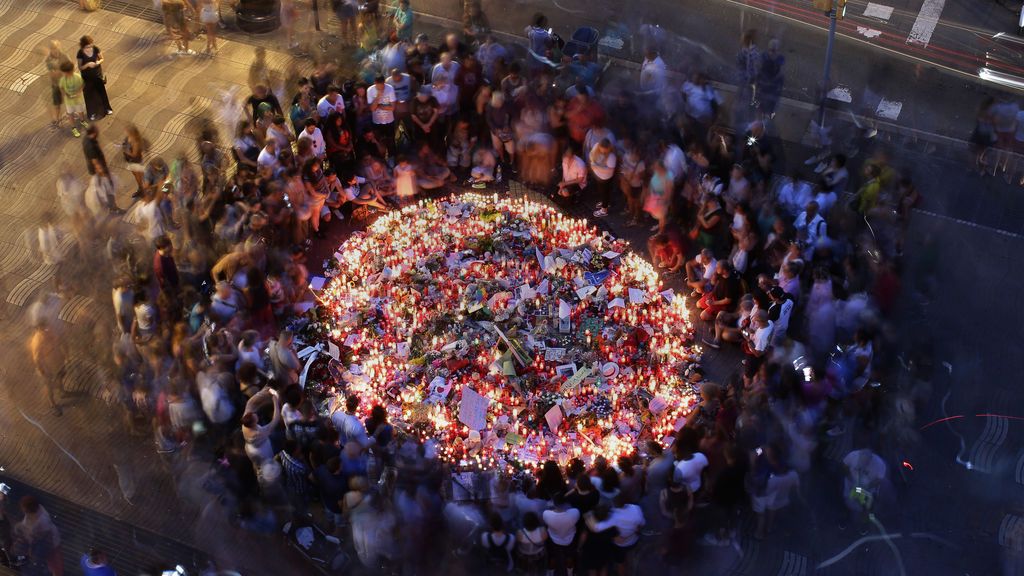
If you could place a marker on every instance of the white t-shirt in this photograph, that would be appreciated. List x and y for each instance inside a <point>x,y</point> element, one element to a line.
<point>603,165</point>
<point>324,106</point>
<point>573,169</point>
<point>628,520</point>
<point>688,471</point>
<point>267,159</point>
<point>652,75</point>
<point>382,115</point>
<point>562,525</point>
<point>317,138</point>
<point>762,337</point>
<point>782,324</point>
<point>448,76</point>
<point>794,197</point>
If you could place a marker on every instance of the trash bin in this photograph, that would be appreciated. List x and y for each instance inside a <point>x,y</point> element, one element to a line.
<point>258,16</point>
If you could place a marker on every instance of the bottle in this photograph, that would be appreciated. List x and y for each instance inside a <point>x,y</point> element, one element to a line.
<point>497,175</point>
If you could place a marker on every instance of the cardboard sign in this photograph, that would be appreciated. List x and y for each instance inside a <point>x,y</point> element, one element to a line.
<point>473,409</point>
<point>574,381</point>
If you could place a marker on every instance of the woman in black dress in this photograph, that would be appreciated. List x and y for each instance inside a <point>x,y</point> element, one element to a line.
<point>90,64</point>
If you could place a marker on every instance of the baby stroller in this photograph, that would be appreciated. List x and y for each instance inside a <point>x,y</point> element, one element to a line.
<point>582,41</point>
<point>321,549</point>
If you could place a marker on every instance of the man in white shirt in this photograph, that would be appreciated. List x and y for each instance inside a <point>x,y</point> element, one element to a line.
<point>701,98</point>
<point>267,160</point>
<point>782,309</point>
<point>761,338</point>
<point>331,102</point>
<point>214,397</point>
<point>627,519</point>
<point>348,425</point>
<point>313,134</point>
<point>653,75</point>
<point>810,229</point>
<point>381,98</point>
<point>561,522</point>
<point>574,176</point>
<point>602,163</point>
<point>445,69</point>
<point>794,194</point>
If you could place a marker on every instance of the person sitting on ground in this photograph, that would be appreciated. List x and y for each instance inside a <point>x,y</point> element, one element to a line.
<point>431,171</point>
<point>700,271</point>
<point>730,326</point>
<point>574,176</point>
<point>667,250</point>
<point>724,294</point>
<point>484,163</point>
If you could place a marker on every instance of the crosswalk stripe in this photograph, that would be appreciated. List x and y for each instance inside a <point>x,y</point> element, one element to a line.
<point>927,20</point>
<point>878,11</point>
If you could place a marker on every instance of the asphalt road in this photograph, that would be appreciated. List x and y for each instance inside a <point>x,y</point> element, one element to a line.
<point>873,57</point>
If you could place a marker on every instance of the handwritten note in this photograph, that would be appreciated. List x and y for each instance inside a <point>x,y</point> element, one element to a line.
<point>636,296</point>
<point>473,409</point>
<point>575,380</point>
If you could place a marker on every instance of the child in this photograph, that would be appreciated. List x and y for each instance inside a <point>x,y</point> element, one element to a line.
<point>405,180</point>
<point>74,99</point>
<point>484,162</point>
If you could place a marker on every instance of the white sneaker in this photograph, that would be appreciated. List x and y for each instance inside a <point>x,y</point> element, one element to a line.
<point>600,212</point>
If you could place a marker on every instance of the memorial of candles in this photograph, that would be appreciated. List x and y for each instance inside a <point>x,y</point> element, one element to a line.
<point>507,332</point>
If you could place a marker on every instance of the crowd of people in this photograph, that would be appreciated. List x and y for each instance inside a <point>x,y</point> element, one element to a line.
<point>209,267</point>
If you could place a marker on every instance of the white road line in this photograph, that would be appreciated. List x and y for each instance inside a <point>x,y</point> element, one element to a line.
<point>927,20</point>
<point>878,11</point>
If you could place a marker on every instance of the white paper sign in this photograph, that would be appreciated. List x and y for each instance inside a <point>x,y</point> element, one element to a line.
<point>526,292</point>
<point>668,295</point>
<point>585,291</point>
<point>333,350</point>
<point>316,283</point>
<point>563,309</point>
<point>554,418</point>
<point>636,296</point>
<point>544,287</point>
<point>611,255</point>
<point>353,339</point>
<point>473,409</point>
<point>617,303</point>
<point>554,354</point>
<point>402,350</point>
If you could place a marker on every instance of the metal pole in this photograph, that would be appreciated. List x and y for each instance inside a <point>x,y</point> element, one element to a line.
<point>828,61</point>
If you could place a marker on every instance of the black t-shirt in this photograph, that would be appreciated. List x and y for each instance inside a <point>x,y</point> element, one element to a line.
<point>93,151</point>
<point>269,99</point>
<point>583,502</point>
<point>424,109</point>
<point>729,288</point>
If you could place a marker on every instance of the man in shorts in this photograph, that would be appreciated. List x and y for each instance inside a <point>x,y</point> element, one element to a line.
<point>71,85</point>
<point>54,58</point>
<point>174,20</point>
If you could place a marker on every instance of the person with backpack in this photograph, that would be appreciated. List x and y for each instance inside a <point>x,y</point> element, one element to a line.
<point>498,543</point>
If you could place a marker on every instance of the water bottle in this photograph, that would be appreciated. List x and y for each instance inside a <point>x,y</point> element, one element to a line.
<point>497,175</point>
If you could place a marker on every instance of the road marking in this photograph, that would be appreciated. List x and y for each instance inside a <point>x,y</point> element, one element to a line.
<point>1011,532</point>
<point>793,565</point>
<point>868,32</point>
<point>927,20</point>
<point>878,11</point>
<point>841,94</point>
<point>889,109</point>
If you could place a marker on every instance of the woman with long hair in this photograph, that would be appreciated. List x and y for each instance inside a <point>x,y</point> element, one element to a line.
<point>90,64</point>
<point>133,148</point>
